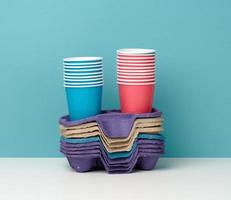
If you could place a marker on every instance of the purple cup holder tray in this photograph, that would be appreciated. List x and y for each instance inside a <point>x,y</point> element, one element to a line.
<point>144,157</point>
<point>143,161</point>
<point>84,157</point>
<point>113,123</point>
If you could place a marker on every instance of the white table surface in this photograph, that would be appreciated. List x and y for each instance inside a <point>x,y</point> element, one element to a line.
<point>175,179</point>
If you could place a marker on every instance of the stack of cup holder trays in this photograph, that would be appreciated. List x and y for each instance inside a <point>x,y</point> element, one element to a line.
<point>114,141</point>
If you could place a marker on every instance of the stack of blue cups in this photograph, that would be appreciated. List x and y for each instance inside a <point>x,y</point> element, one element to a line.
<point>83,81</point>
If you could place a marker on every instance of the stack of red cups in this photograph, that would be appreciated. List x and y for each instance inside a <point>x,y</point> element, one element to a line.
<point>136,79</point>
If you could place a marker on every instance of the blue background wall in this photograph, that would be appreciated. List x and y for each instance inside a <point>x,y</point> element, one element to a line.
<point>193,43</point>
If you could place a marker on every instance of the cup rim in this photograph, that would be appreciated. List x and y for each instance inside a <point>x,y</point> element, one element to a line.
<point>132,71</point>
<point>136,77</point>
<point>83,70</point>
<point>121,83</point>
<point>136,68</point>
<point>82,59</point>
<point>135,51</point>
<point>83,74</point>
<point>135,61</point>
<point>136,73</point>
<point>86,86</point>
<point>136,81</point>
<point>82,77</point>
<point>140,70</point>
<point>82,80</point>
<point>79,67</point>
<point>82,64</point>
<point>124,57</point>
<point>138,65</point>
<point>96,82</point>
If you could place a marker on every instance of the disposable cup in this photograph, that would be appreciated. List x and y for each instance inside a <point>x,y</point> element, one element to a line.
<point>135,58</point>
<point>82,64</point>
<point>83,83</point>
<point>136,98</point>
<point>83,70</point>
<point>119,65</point>
<point>82,80</point>
<point>82,86</point>
<point>138,83</point>
<point>136,73</point>
<point>134,77</point>
<point>83,102</point>
<point>83,74</point>
<point>135,65</point>
<point>82,59</point>
<point>132,71</point>
<point>82,67</point>
<point>82,77</point>
<point>135,61</point>
<point>136,55</point>
<point>136,51</point>
<point>136,68</point>
<point>136,80</point>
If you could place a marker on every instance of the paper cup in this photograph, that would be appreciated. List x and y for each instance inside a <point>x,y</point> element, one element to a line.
<point>134,71</point>
<point>126,83</point>
<point>135,58</point>
<point>135,77</point>
<point>135,65</point>
<point>83,74</point>
<point>136,99</point>
<point>136,68</point>
<point>82,67</point>
<point>120,65</point>
<point>135,51</point>
<point>83,102</point>
<point>83,83</point>
<point>135,80</point>
<point>82,80</point>
<point>82,86</point>
<point>82,77</point>
<point>82,59</point>
<point>83,70</point>
<point>135,62</point>
<point>82,64</point>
